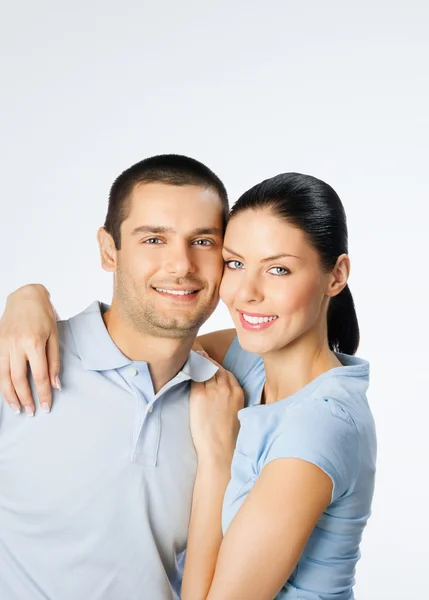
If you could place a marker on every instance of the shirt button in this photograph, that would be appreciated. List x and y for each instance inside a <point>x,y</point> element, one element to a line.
<point>150,409</point>
<point>132,371</point>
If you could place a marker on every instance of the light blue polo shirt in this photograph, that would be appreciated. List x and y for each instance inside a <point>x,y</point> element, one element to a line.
<point>95,498</point>
<point>328,423</point>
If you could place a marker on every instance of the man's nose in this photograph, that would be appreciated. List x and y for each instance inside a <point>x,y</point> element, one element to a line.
<point>180,262</point>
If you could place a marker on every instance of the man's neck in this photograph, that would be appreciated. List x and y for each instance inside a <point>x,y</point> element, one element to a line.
<point>164,356</point>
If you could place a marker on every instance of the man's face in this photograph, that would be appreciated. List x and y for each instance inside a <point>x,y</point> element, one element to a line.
<point>169,267</point>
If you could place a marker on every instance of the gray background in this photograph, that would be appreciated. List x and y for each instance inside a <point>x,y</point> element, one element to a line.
<point>335,89</point>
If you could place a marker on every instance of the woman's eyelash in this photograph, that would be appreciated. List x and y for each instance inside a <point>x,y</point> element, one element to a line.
<point>283,269</point>
<point>233,264</point>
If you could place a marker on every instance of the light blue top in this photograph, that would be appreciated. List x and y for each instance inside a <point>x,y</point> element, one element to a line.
<point>328,423</point>
<point>95,498</point>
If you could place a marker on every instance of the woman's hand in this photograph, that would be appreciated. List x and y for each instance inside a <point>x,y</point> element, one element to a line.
<point>214,405</point>
<point>28,332</point>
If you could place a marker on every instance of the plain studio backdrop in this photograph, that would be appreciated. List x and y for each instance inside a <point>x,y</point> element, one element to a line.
<point>335,89</point>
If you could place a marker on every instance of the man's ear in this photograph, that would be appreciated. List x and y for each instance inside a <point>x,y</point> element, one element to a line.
<point>108,252</point>
<point>339,276</point>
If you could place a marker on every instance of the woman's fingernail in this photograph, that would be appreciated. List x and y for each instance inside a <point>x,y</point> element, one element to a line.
<point>15,408</point>
<point>29,411</point>
<point>45,408</point>
<point>58,383</point>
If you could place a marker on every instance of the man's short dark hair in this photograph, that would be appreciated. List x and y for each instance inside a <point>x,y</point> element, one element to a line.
<point>172,169</point>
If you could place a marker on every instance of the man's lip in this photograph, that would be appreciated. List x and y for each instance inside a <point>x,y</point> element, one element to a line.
<point>250,314</point>
<point>176,289</point>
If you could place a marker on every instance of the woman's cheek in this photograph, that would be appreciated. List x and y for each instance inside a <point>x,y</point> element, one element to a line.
<point>226,291</point>
<point>305,296</point>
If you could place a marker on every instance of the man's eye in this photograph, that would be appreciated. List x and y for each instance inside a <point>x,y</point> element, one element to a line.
<point>203,243</point>
<point>279,271</point>
<point>153,241</point>
<point>234,264</point>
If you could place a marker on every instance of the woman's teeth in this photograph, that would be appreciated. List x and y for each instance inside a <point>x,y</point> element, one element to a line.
<point>256,320</point>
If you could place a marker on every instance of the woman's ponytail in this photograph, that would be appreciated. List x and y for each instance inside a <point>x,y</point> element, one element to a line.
<point>343,326</point>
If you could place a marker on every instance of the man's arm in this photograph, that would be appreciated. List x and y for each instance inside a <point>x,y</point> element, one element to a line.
<point>28,333</point>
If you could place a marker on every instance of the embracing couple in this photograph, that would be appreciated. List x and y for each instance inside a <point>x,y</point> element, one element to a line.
<point>237,465</point>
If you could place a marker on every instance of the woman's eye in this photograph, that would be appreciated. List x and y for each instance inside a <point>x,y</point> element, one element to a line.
<point>153,241</point>
<point>279,271</point>
<point>234,264</point>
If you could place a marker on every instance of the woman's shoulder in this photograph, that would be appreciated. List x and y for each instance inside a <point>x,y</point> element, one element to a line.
<point>344,390</point>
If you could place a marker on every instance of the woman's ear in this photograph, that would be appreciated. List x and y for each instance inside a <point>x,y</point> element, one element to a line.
<point>339,276</point>
<point>108,252</point>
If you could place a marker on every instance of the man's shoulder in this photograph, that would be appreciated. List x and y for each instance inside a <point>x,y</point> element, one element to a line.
<point>66,341</point>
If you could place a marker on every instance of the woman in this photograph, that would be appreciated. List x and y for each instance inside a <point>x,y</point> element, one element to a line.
<point>297,497</point>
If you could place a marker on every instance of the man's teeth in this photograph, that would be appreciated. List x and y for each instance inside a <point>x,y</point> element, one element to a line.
<point>176,292</point>
<point>257,320</point>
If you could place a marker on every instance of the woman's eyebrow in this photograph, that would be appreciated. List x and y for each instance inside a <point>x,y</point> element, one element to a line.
<point>232,252</point>
<point>277,256</point>
<point>269,258</point>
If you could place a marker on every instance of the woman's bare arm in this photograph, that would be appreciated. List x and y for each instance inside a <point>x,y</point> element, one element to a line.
<point>265,539</point>
<point>216,344</point>
<point>28,333</point>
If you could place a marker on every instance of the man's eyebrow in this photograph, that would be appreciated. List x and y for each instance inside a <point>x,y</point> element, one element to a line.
<point>162,229</point>
<point>152,229</point>
<point>268,259</point>
<point>207,231</point>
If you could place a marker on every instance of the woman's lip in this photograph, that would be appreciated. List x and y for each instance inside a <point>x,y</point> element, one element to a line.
<point>249,314</point>
<point>255,326</point>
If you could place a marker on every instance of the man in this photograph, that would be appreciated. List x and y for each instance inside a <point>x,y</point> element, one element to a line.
<point>95,500</point>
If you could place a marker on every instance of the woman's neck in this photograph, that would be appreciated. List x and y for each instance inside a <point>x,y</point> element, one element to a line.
<point>291,368</point>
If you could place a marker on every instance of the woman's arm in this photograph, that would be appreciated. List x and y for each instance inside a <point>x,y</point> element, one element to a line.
<point>265,539</point>
<point>216,344</point>
<point>28,332</point>
<point>205,528</point>
<point>214,424</point>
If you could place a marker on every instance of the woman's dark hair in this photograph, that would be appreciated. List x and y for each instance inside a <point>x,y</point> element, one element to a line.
<point>314,207</point>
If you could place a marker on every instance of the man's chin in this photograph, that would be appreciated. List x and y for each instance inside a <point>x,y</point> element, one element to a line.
<point>174,329</point>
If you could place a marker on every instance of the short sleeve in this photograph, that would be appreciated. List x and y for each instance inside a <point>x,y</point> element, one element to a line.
<point>321,432</point>
<point>242,363</point>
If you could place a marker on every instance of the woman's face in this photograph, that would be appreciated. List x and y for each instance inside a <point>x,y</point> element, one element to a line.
<point>273,283</point>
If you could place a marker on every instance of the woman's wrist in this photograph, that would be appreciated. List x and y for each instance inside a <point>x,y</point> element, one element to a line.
<point>31,290</point>
<point>215,462</point>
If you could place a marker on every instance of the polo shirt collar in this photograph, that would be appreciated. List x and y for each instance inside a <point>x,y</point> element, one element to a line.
<point>99,352</point>
<point>199,368</point>
<point>96,348</point>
